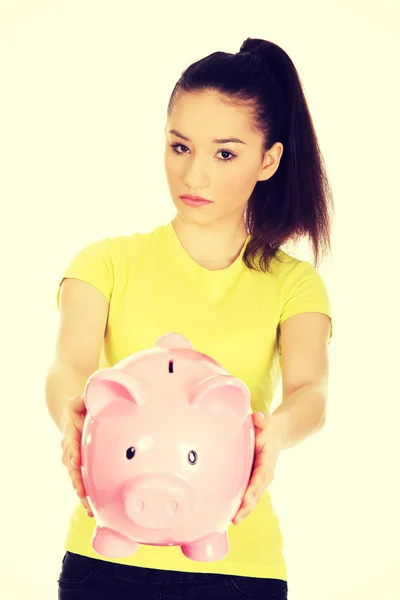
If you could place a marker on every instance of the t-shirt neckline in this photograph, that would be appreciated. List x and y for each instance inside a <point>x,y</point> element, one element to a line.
<point>189,263</point>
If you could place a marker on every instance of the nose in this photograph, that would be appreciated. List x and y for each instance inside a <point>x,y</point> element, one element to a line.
<point>156,502</point>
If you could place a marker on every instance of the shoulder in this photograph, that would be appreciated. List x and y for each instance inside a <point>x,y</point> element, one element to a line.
<point>136,243</point>
<point>290,269</point>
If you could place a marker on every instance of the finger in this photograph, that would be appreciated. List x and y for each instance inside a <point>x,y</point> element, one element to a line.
<point>78,485</point>
<point>74,474</point>
<point>77,482</point>
<point>255,489</point>
<point>246,509</point>
<point>83,498</point>
<point>258,481</point>
<point>258,470</point>
<point>260,420</point>
<point>87,508</point>
<point>77,412</point>
<point>80,491</point>
<point>73,453</point>
<point>77,402</point>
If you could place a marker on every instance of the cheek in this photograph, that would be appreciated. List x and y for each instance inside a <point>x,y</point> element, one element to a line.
<point>173,170</point>
<point>233,182</point>
<point>173,166</point>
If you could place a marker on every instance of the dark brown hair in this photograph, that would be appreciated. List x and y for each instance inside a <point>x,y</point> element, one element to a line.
<point>297,200</point>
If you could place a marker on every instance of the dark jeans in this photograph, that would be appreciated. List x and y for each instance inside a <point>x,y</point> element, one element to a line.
<point>85,578</point>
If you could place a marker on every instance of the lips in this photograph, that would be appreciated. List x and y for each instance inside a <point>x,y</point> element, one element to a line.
<point>189,201</point>
<point>195,198</point>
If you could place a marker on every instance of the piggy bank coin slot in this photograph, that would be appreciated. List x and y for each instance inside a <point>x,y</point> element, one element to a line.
<point>130,453</point>
<point>171,366</point>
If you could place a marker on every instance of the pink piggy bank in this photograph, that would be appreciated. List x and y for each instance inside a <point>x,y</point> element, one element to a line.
<point>167,451</point>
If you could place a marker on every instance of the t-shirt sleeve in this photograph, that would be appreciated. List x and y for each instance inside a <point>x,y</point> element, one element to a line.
<point>94,264</point>
<point>305,291</point>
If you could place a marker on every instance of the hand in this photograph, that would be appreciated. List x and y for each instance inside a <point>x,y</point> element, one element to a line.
<point>268,445</point>
<point>71,445</point>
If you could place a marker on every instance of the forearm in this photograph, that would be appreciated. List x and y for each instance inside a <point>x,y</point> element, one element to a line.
<point>62,383</point>
<point>301,414</point>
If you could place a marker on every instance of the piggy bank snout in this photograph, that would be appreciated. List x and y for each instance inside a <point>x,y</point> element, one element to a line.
<point>157,502</point>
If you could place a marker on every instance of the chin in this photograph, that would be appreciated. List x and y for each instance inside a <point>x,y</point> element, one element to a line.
<point>189,217</point>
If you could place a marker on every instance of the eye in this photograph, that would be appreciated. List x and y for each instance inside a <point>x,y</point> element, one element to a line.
<point>192,457</point>
<point>175,146</point>
<point>130,453</point>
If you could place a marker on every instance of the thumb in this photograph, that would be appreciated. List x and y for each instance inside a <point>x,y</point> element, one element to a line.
<point>77,404</point>
<point>260,419</point>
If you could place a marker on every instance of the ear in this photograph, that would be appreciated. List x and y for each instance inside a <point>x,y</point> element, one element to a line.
<point>223,392</point>
<point>173,340</point>
<point>106,385</point>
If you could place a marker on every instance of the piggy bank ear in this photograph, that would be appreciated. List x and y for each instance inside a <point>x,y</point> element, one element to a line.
<point>105,385</point>
<point>223,392</point>
<point>173,340</point>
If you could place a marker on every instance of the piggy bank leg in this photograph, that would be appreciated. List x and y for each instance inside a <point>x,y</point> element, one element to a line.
<point>108,542</point>
<point>214,547</point>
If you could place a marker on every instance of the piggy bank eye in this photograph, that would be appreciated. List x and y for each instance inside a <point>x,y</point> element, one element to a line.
<point>130,453</point>
<point>192,457</point>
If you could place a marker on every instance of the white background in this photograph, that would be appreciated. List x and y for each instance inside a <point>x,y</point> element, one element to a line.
<point>83,98</point>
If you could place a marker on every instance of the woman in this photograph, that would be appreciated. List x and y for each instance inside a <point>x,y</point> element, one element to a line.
<point>239,135</point>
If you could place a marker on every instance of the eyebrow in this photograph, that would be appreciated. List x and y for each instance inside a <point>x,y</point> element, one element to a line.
<point>221,141</point>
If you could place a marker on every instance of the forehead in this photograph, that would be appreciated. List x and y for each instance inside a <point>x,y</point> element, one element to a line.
<point>208,114</point>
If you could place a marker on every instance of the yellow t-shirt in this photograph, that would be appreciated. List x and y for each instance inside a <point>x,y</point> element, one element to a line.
<point>155,287</point>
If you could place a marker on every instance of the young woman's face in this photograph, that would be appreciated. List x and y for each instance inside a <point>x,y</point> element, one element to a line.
<point>225,173</point>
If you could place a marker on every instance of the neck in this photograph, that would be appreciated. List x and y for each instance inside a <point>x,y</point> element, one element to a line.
<point>215,246</point>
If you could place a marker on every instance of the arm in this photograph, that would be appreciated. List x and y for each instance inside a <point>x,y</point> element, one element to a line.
<point>83,319</point>
<point>301,414</point>
<point>305,370</point>
<point>63,382</point>
<point>304,345</point>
